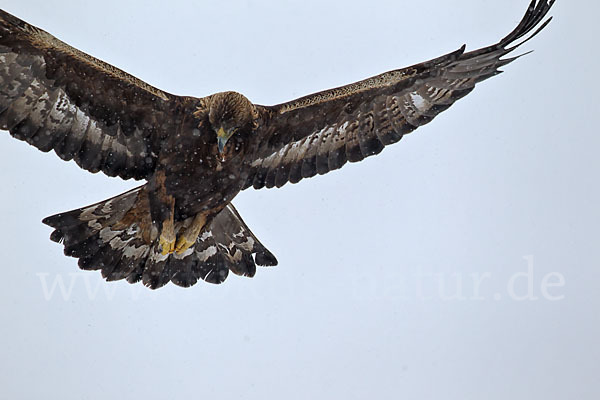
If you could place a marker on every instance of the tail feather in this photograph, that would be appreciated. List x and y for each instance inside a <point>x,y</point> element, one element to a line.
<point>97,236</point>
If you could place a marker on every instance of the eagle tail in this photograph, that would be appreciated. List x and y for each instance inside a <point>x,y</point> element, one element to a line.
<point>104,237</point>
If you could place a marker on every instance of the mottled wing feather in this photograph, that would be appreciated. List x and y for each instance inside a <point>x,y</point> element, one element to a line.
<point>321,132</point>
<point>58,98</point>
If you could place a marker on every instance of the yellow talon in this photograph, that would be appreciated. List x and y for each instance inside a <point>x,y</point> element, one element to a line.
<point>167,245</point>
<point>183,244</point>
<point>188,237</point>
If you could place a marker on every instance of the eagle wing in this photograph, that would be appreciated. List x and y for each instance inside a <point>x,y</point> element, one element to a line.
<point>58,98</point>
<point>321,132</point>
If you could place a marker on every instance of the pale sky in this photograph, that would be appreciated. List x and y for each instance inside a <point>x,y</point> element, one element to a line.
<point>461,263</point>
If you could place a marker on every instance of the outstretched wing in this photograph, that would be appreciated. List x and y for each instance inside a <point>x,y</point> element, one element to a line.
<point>321,132</point>
<point>57,98</point>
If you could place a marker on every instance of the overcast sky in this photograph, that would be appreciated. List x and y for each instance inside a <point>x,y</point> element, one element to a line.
<point>461,263</point>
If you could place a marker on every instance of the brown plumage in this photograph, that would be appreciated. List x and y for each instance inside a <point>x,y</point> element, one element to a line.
<point>197,154</point>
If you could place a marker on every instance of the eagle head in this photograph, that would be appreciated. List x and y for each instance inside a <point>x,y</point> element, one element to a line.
<point>230,113</point>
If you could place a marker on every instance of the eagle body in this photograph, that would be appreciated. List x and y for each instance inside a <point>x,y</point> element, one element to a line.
<point>195,154</point>
<point>196,174</point>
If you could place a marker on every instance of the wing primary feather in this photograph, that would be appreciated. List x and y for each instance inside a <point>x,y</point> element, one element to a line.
<point>106,96</point>
<point>376,111</point>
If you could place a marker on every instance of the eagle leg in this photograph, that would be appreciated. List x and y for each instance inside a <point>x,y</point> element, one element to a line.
<point>167,233</point>
<point>189,235</point>
<point>162,209</point>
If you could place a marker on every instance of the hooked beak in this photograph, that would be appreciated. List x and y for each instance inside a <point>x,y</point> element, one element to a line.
<point>222,138</point>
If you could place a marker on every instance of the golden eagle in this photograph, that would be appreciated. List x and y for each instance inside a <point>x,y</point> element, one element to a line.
<point>197,154</point>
